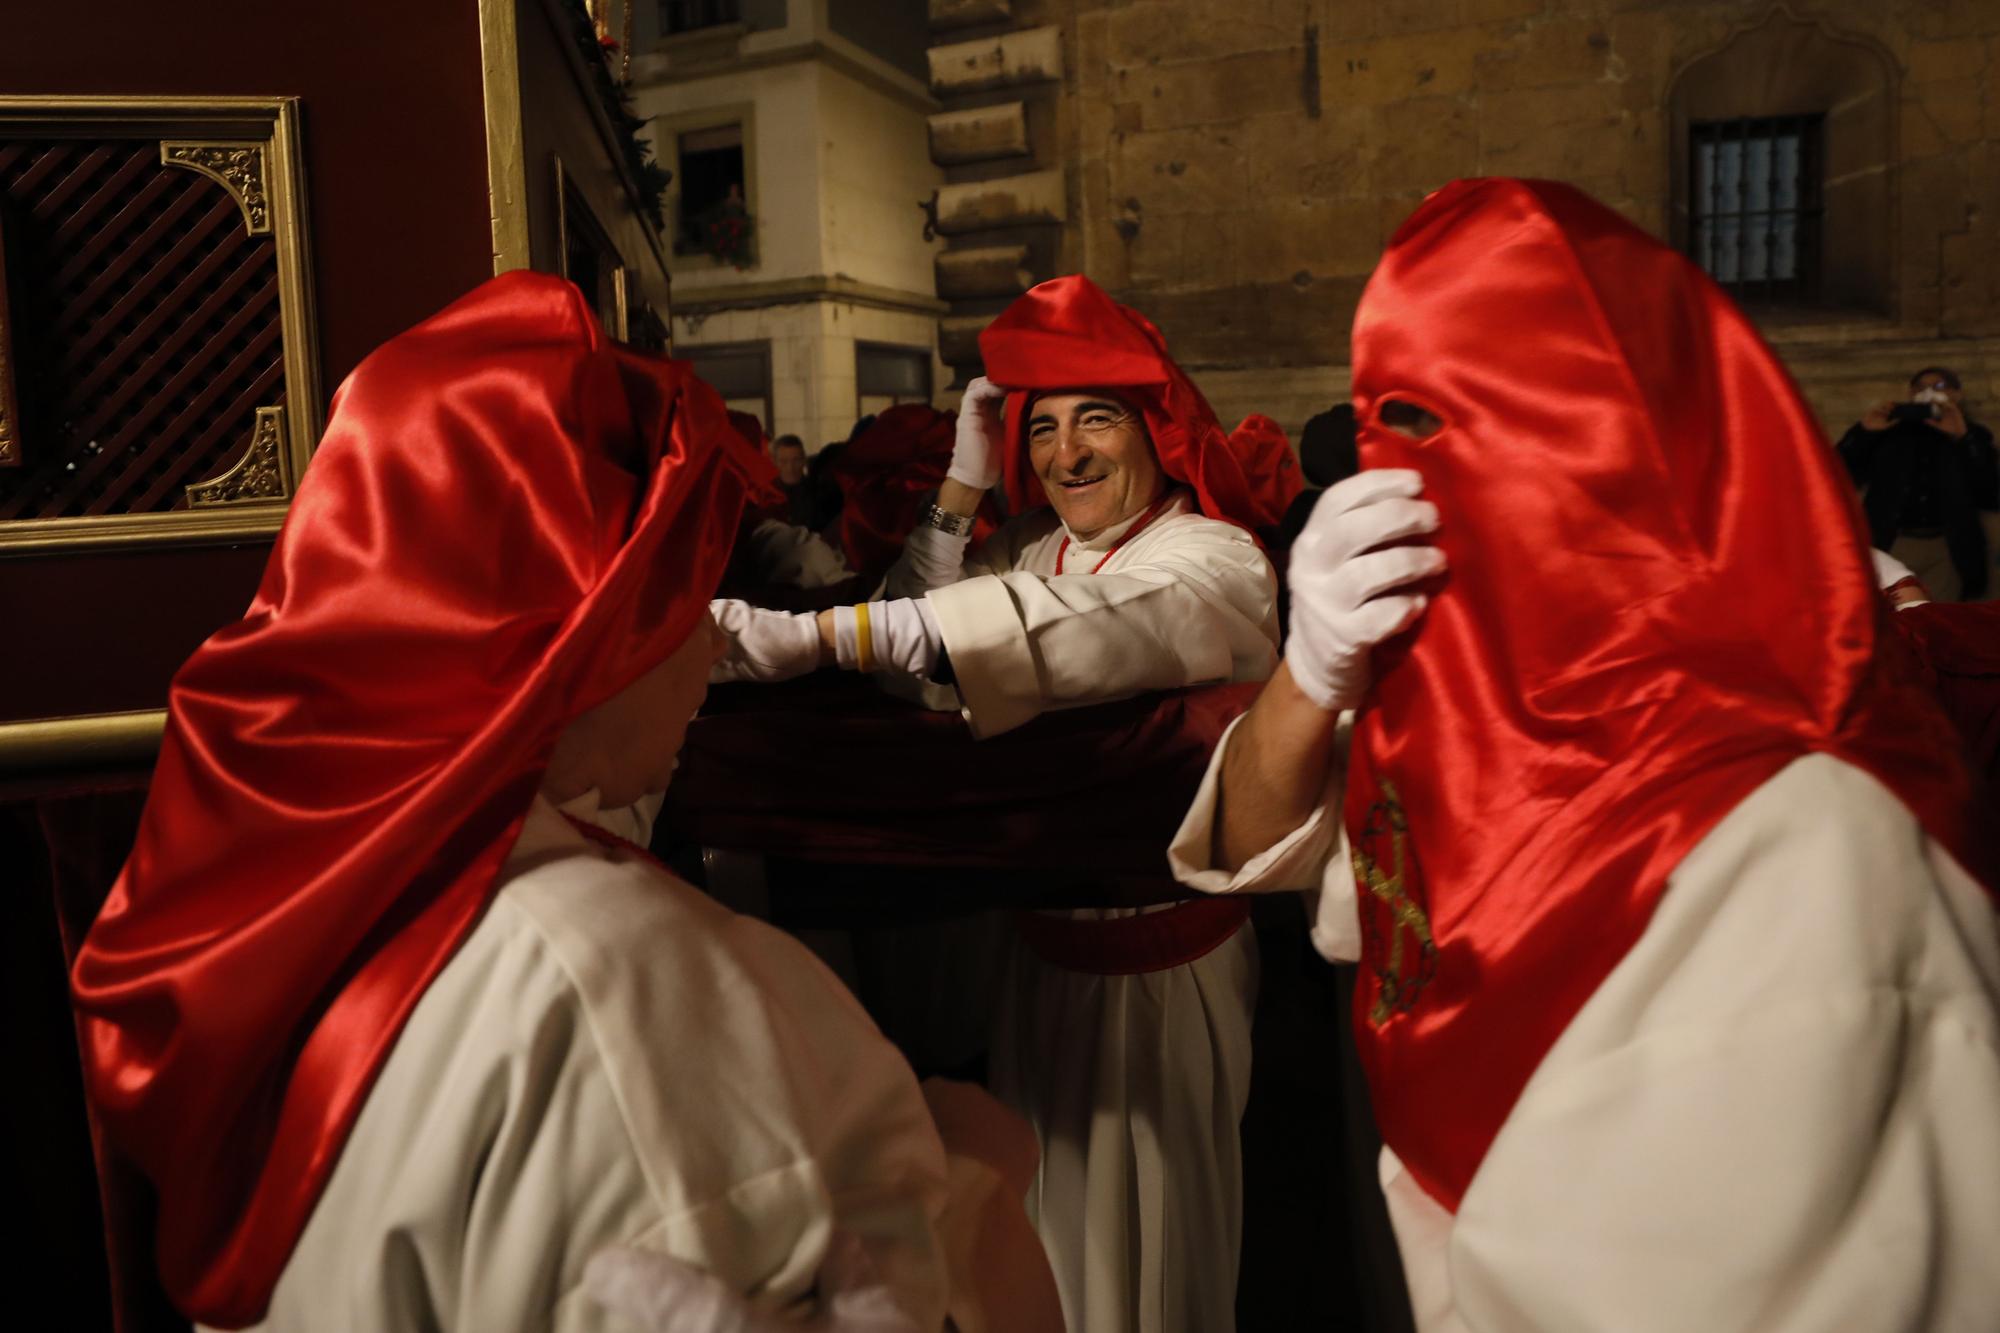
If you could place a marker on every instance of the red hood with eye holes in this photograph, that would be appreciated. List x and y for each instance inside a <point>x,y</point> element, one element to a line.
<point>1659,597</point>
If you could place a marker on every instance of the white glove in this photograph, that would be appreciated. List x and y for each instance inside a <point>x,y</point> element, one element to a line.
<point>903,636</point>
<point>975,456</point>
<point>662,1295</point>
<point>1345,596</point>
<point>764,645</point>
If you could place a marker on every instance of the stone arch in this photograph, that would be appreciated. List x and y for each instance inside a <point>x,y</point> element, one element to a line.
<point>1785,66</point>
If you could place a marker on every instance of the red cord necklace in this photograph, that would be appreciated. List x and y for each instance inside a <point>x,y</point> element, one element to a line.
<point>1130,533</point>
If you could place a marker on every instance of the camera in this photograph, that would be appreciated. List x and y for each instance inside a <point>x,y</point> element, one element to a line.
<point>1915,413</point>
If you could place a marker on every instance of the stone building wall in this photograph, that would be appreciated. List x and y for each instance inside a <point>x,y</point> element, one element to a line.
<point>1233,169</point>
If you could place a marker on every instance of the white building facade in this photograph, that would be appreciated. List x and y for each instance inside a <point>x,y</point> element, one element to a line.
<point>808,117</point>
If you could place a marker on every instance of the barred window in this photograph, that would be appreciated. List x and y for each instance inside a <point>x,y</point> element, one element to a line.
<point>1754,211</point>
<point>691,15</point>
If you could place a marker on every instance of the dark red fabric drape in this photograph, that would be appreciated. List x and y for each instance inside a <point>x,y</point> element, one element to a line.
<point>885,475</point>
<point>1269,466</point>
<point>1659,595</point>
<point>1958,647</point>
<point>870,780</point>
<point>509,520</point>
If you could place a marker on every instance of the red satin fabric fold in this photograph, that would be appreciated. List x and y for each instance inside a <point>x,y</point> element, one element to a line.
<point>1659,595</point>
<point>885,475</point>
<point>509,520</point>
<point>1067,334</point>
<point>1269,466</point>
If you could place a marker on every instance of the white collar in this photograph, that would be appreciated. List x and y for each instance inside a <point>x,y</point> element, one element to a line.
<point>1109,537</point>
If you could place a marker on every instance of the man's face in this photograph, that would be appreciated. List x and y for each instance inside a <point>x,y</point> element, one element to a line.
<point>1933,380</point>
<point>628,745</point>
<point>1093,457</point>
<point>791,461</point>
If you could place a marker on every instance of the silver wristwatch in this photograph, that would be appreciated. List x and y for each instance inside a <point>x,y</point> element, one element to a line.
<point>955,525</point>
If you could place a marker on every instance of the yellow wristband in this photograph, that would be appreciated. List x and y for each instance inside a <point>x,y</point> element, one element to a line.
<point>864,642</point>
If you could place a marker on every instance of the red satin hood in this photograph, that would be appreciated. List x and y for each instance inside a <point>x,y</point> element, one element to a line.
<point>1269,466</point>
<point>1659,596</point>
<point>1067,334</point>
<point>885,475</point>
<point>509,520</point>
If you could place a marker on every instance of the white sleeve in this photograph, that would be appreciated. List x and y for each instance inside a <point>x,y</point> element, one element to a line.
<point>1199,610</point>
<point>1313,856</point>
<point>1781,1112</point>
<point>931,558</point>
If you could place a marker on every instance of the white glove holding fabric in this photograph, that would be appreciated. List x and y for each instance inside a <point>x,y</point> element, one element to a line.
<point>662,1295</point>
<point>764,645</point>
<point>1346,594</point>
<point>902,635</point>
<point>975,456</point>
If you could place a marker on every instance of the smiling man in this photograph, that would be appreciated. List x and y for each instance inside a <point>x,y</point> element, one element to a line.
<point>1123,1036</point>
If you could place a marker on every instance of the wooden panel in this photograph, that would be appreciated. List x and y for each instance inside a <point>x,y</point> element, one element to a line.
<point>1033,55</point>
<point>980,134</point>
<point>394,154</point>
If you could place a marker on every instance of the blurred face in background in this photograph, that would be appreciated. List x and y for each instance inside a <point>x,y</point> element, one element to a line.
<point>790,456</point>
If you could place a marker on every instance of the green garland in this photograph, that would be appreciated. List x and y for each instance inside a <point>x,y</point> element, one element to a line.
<point>652,177</point>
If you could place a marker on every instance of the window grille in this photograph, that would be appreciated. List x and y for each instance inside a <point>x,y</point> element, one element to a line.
<point>690,15</point>
<point>1754,203</point>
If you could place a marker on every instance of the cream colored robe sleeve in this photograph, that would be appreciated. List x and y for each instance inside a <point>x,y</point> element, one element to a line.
<point>1780,1112</point>
<point>1186,602</point>
<point>1312,858</point>
<point>613,1059</point>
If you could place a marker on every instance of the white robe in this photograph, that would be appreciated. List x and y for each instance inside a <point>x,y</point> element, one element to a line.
<point>1780,1112</point>
<point>1135,1084</point>
<point>611,1058</point>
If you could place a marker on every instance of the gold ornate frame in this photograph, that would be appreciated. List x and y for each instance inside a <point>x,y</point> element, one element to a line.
<point>10,405</point>
<point>251,146</point>
<point>576,221</point>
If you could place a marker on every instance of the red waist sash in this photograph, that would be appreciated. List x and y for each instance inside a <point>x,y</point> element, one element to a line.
<point>1123,946</point>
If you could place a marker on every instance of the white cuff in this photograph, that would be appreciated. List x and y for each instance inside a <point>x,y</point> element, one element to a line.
<point>1297,861</point>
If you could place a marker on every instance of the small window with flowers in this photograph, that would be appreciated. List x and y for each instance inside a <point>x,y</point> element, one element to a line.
<point>714,214</point>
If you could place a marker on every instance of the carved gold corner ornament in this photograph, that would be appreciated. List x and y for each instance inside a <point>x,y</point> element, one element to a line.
<point>10,405</point>
<point>237,167</point>
<point>251,147</point>
<point>263,473</point>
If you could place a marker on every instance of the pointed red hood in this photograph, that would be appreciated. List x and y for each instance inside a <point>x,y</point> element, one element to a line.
<point>509,520</point>
<point>1659,597</point>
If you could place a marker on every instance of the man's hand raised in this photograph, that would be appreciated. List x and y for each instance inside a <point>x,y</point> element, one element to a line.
<point>975,455</point>
<point>1347,594</point>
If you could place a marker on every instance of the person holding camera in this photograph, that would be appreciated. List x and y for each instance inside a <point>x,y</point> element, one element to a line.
<point>1926,472</point>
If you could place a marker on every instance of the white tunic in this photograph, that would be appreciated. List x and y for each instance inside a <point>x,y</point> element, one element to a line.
<point>611,1058</point>
<point>1135,1084</point>
<point>1780,1112</point>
